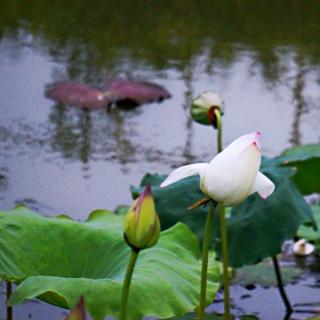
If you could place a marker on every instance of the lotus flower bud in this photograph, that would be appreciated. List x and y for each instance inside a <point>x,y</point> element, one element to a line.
<point>204,106</point>
<point>141,224</point>
<point>303,248</point>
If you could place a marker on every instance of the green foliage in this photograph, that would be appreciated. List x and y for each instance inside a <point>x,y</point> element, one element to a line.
<point>59,260</point>
<point>214,316</point>
<point>256,228</point>
<point>207,316</point>
<point>308,232</point>
<point>121,210</point>
<point>306,159</point>
<point>263,274</point>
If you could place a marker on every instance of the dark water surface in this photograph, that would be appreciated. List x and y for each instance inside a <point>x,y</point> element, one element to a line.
<point>262,57</point>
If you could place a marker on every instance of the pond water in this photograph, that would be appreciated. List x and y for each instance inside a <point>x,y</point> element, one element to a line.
<point>262,57</point>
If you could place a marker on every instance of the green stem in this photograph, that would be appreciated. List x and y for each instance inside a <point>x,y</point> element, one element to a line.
<point>225,260</point>
<point>223,232</point>
<point>9,308</point>
<point>205,254</point>
<point>126,284</point>
<point>219,127</point>
<point>283,294</point>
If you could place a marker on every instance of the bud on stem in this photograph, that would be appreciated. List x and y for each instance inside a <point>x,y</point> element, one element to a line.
<point>205,106</point>
<point>141,225</point>
<point>141,231</point>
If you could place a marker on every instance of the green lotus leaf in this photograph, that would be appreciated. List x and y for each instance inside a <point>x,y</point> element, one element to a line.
<point>256,229</point>
<point>263,274</point>
<point>214,316</point>
<point>121,210</point>
<point>60,260</point>
<point>309,233</point>
<point>306,159</point>
<point>249,317</point>
<point>207,316</point>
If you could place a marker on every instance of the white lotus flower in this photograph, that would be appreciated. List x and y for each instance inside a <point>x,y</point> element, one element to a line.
<point>232,175</point>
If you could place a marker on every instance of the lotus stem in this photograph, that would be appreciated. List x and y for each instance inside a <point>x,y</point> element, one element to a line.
<point>225,260</point>
<point>126,284</point>
<point>205,254</point>
<point>9,308</point>
<point>219,127</point>
<point>223,231</point>
<point>280,285</point>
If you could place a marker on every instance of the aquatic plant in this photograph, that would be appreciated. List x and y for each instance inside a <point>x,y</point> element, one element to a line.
<point>251,230</point>
<point>141,231</point>
<point>58,260</point>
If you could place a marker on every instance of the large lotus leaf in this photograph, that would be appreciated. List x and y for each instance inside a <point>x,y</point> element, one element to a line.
<point>59,260</point>
<point>307,161</point>
<point>309,233</point>
<point>256,229</point>
<point>116,90</point>
<point>263,274</point>
<point>138,92</point>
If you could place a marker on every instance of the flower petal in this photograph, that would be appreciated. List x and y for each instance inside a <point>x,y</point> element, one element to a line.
<point>230,176</point>
<point>208,99</point>
<point>263,185</point>
<point>240,144</point>
<point>184,172</point>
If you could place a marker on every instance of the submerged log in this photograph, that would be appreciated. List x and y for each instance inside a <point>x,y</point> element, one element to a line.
<point>113,91</point>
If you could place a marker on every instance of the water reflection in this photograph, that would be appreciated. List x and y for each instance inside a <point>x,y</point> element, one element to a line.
<point>188,96</point>
<point>74,136</point>
<point>93,37</point>
<point>3,180</point>
<point>232,47</point>
<point>66,136</point>
<point>299,103</point>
